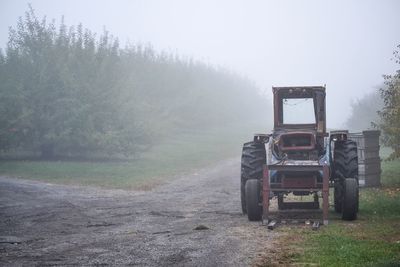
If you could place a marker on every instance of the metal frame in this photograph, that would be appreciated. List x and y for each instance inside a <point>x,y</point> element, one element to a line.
<point>266,188</point>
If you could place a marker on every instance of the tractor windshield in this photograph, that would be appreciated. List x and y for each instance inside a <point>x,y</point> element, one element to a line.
<point>298,111</point>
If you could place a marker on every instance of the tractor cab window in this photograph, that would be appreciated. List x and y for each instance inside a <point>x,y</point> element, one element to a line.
<point>298,111</point>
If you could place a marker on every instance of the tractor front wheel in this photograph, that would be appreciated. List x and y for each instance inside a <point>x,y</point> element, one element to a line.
<point>345,173</point>
<point>280,202</point>
<point>253,196</point>
<point>337,196</point>
<point>350,199</point>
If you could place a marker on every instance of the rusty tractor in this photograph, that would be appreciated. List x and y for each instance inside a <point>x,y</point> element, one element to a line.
<point>300,158</point>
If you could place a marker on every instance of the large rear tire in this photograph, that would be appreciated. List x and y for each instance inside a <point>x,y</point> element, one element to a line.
<point>345,160</point>
<point>280,201</point>
<point>253,159</point>
<point>253,204</point>
<point>346,166</point>
<point>350,199</point>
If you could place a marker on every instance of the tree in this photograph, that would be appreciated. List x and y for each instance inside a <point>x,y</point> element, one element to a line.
<point>364,112</point>
<point>390,113</point>
<point>65,91</point>
<point>58,92</point>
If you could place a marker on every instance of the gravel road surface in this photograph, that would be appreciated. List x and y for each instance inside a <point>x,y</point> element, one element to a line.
<point>47,224</point>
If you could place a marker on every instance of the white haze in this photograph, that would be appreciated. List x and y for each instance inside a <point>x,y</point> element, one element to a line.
<point>346,45</point>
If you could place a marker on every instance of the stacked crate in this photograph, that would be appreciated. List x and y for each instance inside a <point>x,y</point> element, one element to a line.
<point>369,162</point>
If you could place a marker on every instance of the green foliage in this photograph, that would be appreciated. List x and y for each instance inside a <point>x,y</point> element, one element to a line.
<point>390,114</point>
<point>63,91</point>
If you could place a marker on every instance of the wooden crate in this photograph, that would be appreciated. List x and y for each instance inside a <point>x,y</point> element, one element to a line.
<point>369,162</point>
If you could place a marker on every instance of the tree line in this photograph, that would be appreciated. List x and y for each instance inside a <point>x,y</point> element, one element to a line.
<point>381,110</point>
<point>66,91</point>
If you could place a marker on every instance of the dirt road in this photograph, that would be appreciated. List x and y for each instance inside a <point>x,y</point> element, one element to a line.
<point>46,224</point>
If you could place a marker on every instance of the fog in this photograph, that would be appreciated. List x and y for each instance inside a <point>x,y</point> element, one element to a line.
<point>346,45</point>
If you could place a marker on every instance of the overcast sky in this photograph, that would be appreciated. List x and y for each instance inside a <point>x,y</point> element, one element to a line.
<point>346,45</point>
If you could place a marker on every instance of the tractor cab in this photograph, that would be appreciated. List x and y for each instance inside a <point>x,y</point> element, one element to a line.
<point>299,122</point>
<point>300,108</point>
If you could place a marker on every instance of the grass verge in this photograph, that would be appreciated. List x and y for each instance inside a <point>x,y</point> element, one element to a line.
<point>371,240</point>
<point>178,155</point>
<point>390,173</point>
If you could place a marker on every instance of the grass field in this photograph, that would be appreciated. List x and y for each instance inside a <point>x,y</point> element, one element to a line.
<point>177,155</point>
<point>371,240</point>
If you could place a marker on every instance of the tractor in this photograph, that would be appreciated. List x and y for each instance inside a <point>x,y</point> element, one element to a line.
<point>299,158</point>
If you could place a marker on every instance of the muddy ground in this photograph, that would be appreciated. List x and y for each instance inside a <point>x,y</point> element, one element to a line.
<point>46,224</point>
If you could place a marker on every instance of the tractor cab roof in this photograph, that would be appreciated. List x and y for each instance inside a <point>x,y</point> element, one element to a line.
<point>298,91</point>
<point>282,95</point>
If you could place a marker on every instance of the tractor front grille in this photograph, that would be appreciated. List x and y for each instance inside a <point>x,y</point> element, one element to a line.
<point>299,182</point>
<point>296,180</point>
